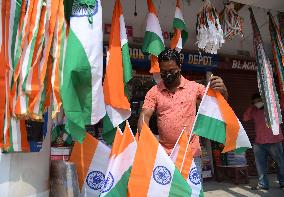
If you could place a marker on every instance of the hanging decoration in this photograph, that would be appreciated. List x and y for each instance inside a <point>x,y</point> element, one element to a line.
<point>30,54</point>
<point>265,81</point>
<point>232,23</point>
<point>209,32</point>
<point>278,55</point>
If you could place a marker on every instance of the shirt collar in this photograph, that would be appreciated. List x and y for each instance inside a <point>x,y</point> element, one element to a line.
<point>162,86</point>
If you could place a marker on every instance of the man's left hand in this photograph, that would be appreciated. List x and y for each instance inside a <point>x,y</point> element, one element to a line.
<point>216,83</point>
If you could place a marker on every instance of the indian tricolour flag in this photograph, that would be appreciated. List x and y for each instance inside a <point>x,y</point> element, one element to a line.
<point>180,30</point>
<point>121,161</point>
<point>191,174</point>
<point>153,39</point>
<point>81,91</point>
<point>217,121</point>
<point>153,173</point>
<point>91,159</point>
<point>179,149</point>
<point>118,74</point>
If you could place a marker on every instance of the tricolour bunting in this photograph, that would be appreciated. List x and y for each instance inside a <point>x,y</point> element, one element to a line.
<point>217,121</point>
<point>265,80</point>
<point>153,173</point>
<point>118,74</point>
<point>81,91</point>
<point>91,159</point>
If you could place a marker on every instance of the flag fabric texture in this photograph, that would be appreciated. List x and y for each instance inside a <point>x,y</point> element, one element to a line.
<point>120,164</point>
<point>278,54</point>
<point>180,29</point>
<point>118,74</point>
<point>91,159</point>
<point>153,173</point>
<point>265,81</point>
<point>153,43</point>
<point>217,121</point>
<point>81,91</point>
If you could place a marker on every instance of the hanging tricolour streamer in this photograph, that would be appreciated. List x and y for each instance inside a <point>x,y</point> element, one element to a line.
<point>209,32</point>
<point>278,54</point>
<point>232,22</point>
<point>265,81</point>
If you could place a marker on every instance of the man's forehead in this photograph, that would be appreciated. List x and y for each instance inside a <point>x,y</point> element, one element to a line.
<point>168,65</point>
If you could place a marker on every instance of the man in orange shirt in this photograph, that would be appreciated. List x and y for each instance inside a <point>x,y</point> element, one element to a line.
<point>174,100</point>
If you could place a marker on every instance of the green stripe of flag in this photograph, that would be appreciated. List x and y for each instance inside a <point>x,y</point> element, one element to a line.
<point>76,90</point>
<point>15,28</point>
<point>120,189</point>
<point>179,187</point>
<point>179,24</point>
<point>206,126</point>
<point>152,44</point>
<point>127,67</point>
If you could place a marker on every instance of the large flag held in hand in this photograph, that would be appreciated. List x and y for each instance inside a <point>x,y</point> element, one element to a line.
<point>118,74</point>
<point>91,159</point>
<point>217,121</point>
<point>119,168</point>
<point>153,173</point>
<point>153,39</point>
<point>81,91</point>
<point>180,30</point>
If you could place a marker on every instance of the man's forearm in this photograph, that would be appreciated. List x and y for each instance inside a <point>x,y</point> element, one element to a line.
<point>142,119</point>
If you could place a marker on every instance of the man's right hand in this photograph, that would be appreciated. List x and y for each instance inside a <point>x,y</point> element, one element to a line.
<point>145,116</point>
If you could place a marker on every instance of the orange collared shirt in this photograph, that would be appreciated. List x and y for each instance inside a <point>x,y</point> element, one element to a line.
<point>174,111</point>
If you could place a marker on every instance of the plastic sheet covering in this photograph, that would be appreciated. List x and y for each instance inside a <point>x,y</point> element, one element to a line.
<point>63,179</point>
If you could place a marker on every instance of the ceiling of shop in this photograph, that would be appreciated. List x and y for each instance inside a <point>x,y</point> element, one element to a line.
<point>190,8</point>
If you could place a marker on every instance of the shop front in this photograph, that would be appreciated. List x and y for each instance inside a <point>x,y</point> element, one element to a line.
<point>238,73</point>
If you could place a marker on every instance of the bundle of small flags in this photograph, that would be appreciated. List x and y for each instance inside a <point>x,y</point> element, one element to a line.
<point>232,23</point>
<point>209,32</point>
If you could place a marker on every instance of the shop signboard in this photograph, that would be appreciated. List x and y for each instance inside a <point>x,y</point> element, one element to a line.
<point>189,60</point>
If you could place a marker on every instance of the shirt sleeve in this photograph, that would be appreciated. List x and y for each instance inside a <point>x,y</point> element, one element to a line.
<point>248,115</point>
<point>200,90</point>
<point>150,100</point>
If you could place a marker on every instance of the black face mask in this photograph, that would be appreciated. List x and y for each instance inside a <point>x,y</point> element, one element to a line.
<point>170,77</point>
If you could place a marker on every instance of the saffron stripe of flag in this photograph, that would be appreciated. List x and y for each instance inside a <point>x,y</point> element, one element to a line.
<point>118,73</point>
<point>83,75</point>
<point>2,74</point>
<point>180,30</point>
<point>120,165</point>
<point>217,121</point>
<point>153,173</point>
<point>153,43</point>
<point>91,159</point>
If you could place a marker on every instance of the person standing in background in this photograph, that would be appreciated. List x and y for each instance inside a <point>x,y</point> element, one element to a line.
<point>265,144</point>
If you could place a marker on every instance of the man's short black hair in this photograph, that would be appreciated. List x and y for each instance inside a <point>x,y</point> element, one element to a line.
<point>170,54</point>
<point>255,96</point>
